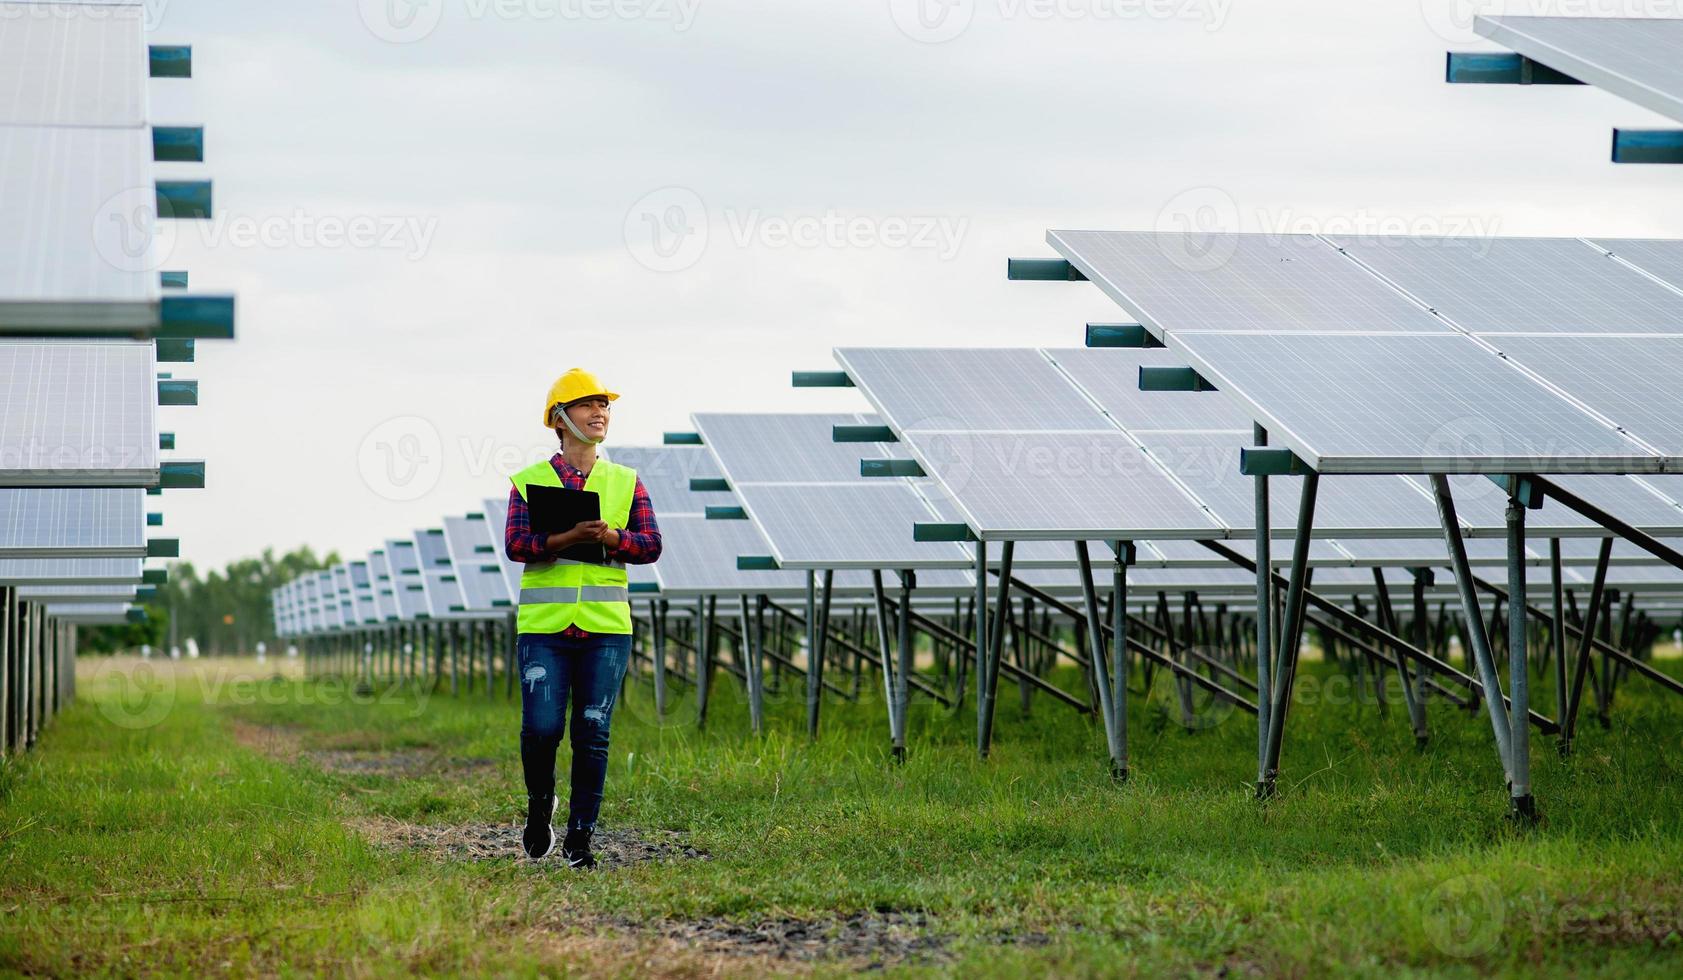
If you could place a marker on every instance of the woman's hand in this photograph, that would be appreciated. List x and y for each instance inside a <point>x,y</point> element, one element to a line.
<point>584,532</point>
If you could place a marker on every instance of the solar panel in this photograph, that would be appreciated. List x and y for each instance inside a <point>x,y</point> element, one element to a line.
<point>1659,257</point>
<point>1391,404</point>
<point>362,594</point>
<point>785,448</point>
<point>385,590</point>
<point>975,389</point>
<point>1430,552</point>
<point>1069,485</point>
<point>439,581</point>
<point>496,515</point>
<point>1252,282</point>
<point>806,494</point>
<point>698,557</point>
<point>1631,380</point>
<point>77,593</point>
<point>1519,285</point>
<point>1634,58</point>
<point>83,244</point>
<point>327,601</point>
<point>407,584</point>
<point>1112,378</point>
<point>1208,463</point>
<point>1033,482</point>
<point>41,523</point>
<point>78,413</point>
<point>666,472</point>
<point>91,613</point>
<point>474,556</point>
<point>861,526</point>
<point>72,64</point>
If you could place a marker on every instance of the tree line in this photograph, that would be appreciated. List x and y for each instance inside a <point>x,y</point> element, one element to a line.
<point>225,611</point>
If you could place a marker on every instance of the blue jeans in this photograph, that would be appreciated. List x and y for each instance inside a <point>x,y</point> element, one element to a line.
<point>552,668</point>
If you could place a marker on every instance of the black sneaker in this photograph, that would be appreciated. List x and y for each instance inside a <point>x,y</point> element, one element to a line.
<point>539,837</point>
<point>576,850</point>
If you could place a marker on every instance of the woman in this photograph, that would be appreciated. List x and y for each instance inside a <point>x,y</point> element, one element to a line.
<point>575,617</point>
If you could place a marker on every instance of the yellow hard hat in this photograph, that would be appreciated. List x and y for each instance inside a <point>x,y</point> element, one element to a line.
<point>570,387</point>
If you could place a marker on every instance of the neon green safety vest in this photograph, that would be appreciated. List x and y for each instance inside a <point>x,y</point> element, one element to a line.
<point>557,594</point>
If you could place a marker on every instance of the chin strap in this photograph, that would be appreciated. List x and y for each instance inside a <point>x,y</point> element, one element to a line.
<point>567,420</point>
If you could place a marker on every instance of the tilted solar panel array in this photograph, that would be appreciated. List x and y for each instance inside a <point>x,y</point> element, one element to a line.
<point>1387,355</point>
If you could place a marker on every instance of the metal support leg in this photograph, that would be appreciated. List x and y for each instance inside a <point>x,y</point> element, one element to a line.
<point>1569,723</point>
<point>1557,636</point>
<point>981,619</point>
<point>996,636</point>
<point>1519,670</point>
<point>1291,635</point>
<point>707,608</point>
<point>814,692</point>
<point>1416,707</point>
<point>753,635</point>
<point>1119,665</point>
<point>1264,621</point>
<point>1474,616</point>
<point>902,692</point>
<point>657,620</point>
<point>896,735</point>
<point>1096,644</point>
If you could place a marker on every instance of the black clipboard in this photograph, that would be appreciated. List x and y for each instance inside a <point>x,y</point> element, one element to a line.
<point>556,509</point>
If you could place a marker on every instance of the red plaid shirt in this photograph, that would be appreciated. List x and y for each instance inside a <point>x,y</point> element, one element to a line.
<point>639,540</point>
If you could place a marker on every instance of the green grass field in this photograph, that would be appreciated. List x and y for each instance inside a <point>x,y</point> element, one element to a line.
<point>233,821</point>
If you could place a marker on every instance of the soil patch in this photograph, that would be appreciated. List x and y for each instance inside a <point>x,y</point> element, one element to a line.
<point>398,762</point>
<point>278,741</point>
<point>287,743</point>
<point>870,939</point>
<point>613,847</point>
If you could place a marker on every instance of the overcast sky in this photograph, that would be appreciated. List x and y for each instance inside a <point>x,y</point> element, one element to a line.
<point>430,210</point>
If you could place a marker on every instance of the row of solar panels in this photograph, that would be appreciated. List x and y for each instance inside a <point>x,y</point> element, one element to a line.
<point>85,320</point>
<point>1386,358</point>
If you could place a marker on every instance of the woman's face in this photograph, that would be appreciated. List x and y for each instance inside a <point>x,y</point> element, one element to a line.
<point>591,416</point>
